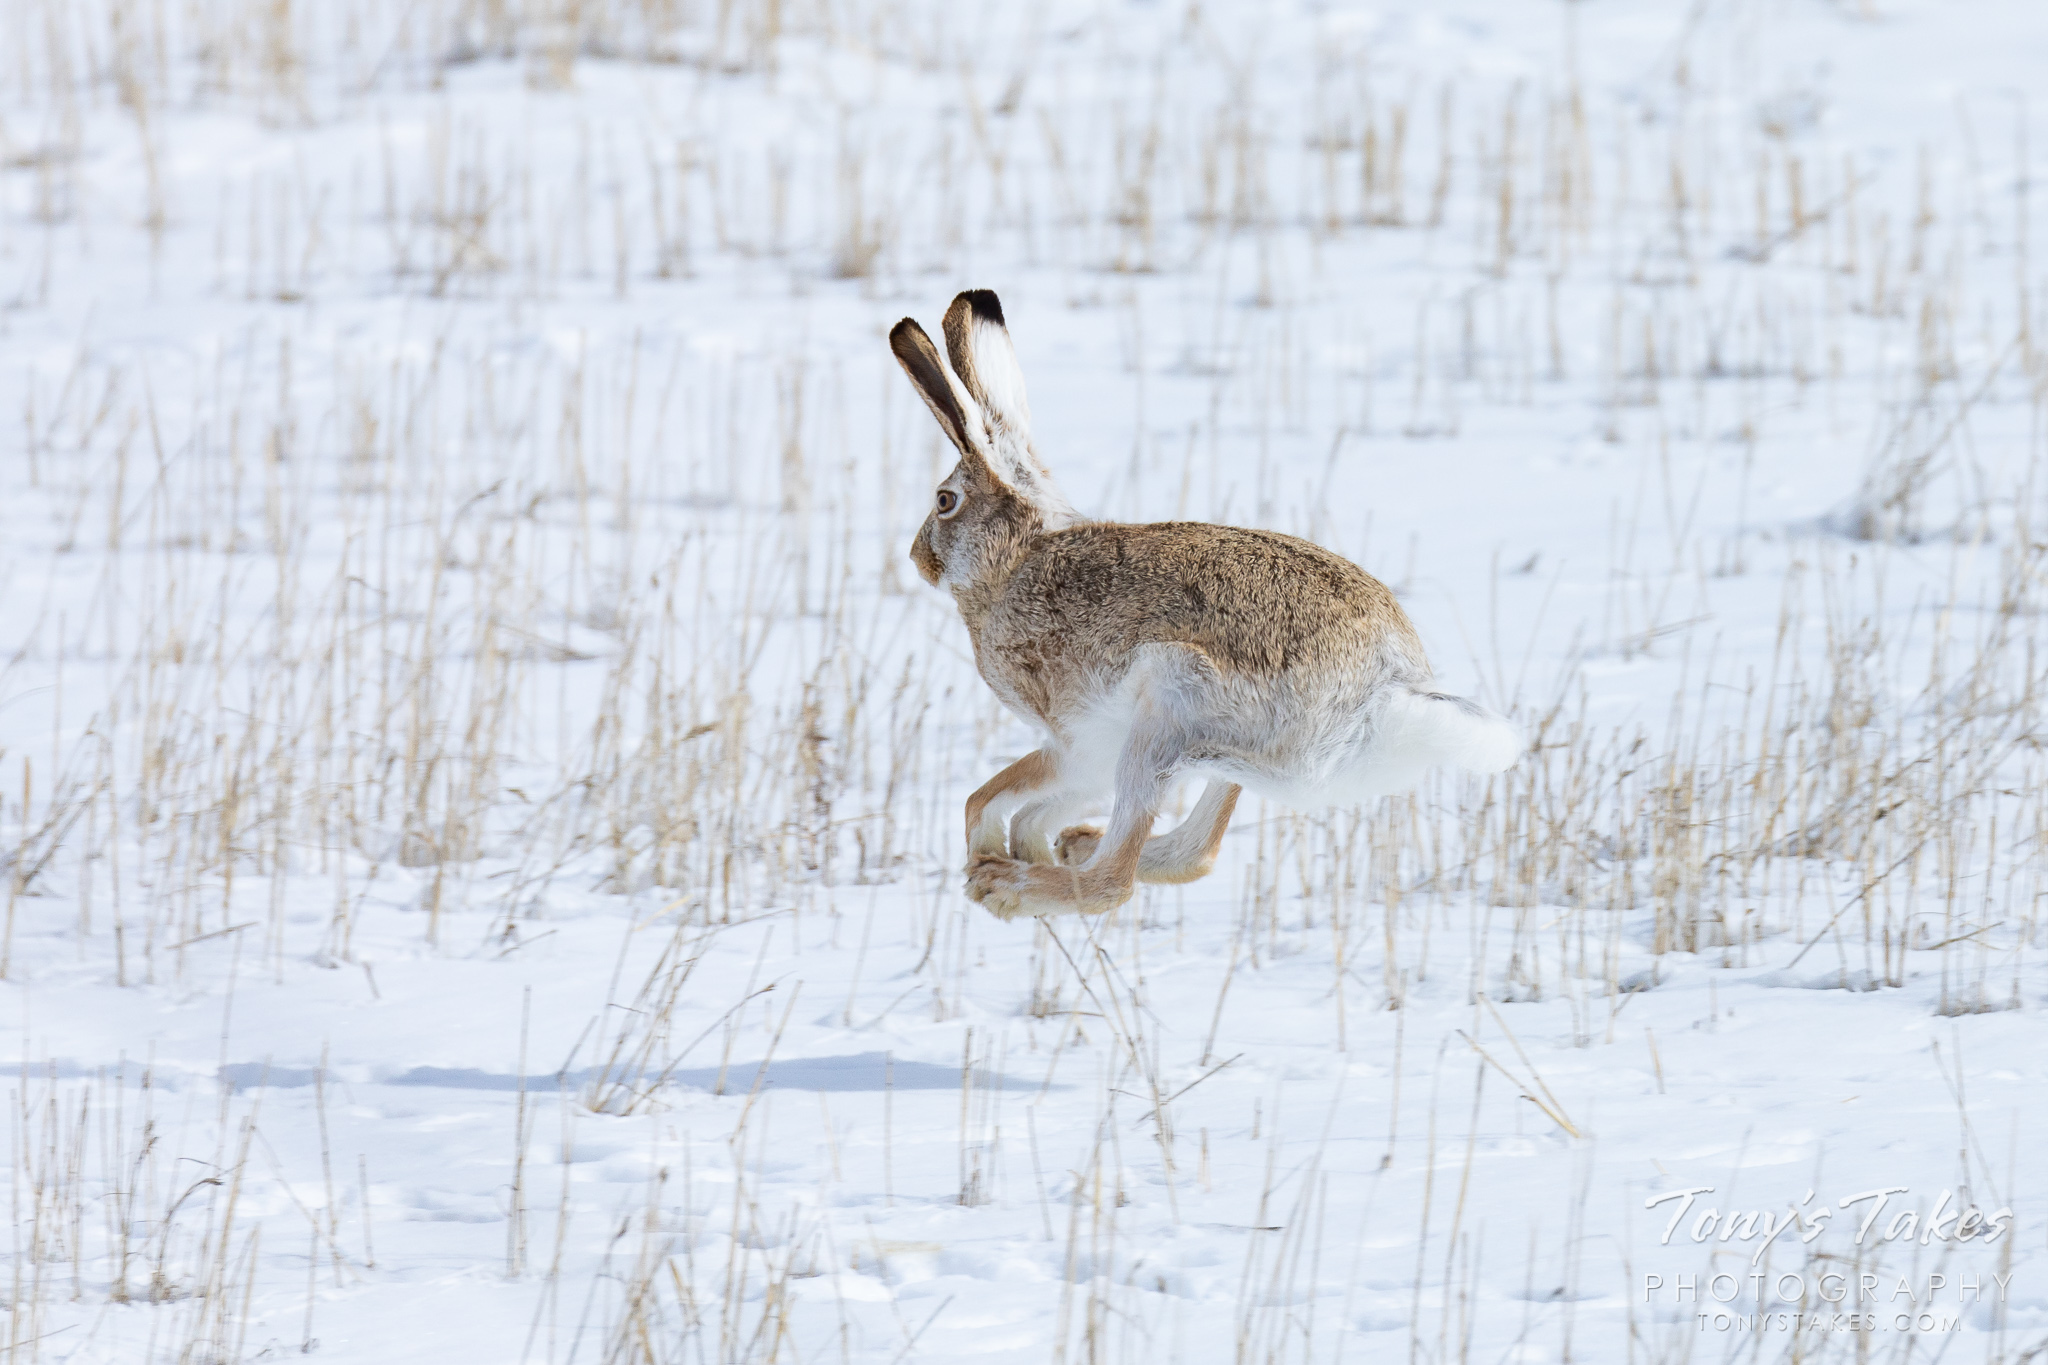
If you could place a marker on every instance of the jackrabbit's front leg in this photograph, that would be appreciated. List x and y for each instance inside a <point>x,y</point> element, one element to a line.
<point>1031,828</point>
<point>992,802</point>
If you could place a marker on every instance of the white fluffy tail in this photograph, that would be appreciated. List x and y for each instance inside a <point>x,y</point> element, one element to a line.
<point>1424,730</point>
<point>1464,733</point>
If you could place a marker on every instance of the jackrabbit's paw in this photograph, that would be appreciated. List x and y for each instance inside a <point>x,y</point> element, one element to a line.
<point>996,884</point>
<point>1077,844</point>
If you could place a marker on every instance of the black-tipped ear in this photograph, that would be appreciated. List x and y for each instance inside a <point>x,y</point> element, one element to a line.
<point>969,308</point>
<point>985,304</point>
<point>978,344</point>
<point>920,360</point>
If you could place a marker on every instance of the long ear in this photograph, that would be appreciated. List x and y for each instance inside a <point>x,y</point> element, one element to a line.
<point>941,392</point>
<point>978,343</point>
<point>979,346</point>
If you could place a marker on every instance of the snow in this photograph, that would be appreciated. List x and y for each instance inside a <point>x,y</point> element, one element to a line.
<point>480,783</point>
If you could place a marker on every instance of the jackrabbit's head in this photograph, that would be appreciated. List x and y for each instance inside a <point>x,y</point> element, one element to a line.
<point>999,494</point>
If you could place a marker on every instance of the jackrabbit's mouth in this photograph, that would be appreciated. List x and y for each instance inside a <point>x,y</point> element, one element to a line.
<point>925,558</point>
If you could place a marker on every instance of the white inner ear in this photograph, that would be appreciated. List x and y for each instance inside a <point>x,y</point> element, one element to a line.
<point>1002,379</point>
<point>1008,415</point>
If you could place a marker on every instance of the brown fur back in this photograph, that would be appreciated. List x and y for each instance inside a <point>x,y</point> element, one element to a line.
<point>1259,604</point>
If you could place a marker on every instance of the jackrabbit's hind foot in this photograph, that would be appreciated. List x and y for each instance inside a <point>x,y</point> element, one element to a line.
<point>1009,889</point>
<point>1077,844</point>
<point>993,885</point>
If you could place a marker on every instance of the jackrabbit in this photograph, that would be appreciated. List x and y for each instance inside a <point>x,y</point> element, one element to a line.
<point>1149,653</point>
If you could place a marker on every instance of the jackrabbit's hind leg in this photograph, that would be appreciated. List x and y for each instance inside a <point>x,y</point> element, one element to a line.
<point>1167,688</point>
<point>1188,850</point>
<point>1009,888</point>
<point>1182,854</point>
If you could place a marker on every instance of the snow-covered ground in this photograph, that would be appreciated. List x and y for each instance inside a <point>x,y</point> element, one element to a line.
<point>480,781</point>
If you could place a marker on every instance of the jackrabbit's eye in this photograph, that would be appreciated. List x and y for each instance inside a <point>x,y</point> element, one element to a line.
<point>949,502</point>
